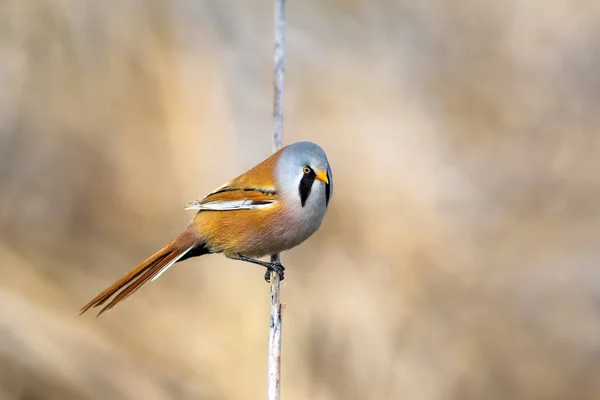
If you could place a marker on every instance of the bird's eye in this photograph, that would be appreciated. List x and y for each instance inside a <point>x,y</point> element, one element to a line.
<point>306,170</point>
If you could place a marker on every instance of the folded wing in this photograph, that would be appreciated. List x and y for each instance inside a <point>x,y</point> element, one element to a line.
<point>235,197</point>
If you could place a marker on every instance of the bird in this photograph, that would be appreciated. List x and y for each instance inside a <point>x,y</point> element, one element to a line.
<point>271,208</point>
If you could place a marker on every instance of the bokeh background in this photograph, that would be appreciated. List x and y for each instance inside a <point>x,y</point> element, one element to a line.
<point>459,258</point>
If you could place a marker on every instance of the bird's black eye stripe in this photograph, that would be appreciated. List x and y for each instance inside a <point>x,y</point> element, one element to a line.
<point>306,184</point>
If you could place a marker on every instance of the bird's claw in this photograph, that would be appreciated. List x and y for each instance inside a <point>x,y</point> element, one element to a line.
<point>276,268</point>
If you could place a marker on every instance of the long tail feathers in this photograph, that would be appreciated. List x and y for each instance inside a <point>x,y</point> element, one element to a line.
<point>150,269</point>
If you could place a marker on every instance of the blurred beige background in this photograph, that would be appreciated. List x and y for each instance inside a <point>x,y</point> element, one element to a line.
<point>459,258</point>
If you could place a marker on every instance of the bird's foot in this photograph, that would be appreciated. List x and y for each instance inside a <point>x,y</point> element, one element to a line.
<point>276,267</point>
<point>270,266</point>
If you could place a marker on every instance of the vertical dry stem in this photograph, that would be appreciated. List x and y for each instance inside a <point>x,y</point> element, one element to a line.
<point>274,378</point>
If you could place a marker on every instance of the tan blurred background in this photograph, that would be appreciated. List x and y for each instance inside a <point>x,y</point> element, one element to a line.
<point>459,258</point>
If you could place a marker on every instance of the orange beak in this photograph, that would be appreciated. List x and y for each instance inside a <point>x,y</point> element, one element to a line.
<point>322,176</point>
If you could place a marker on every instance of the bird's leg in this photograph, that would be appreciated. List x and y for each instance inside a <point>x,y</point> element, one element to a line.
<point>277,267</point>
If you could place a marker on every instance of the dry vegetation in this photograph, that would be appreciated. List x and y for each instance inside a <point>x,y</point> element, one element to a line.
<point>459,259</point>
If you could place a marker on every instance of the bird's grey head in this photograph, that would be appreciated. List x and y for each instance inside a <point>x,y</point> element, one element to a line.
<point>304,171</point>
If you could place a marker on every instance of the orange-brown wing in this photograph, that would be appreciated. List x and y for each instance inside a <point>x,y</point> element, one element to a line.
<point>234,198</point>
<point>251,190</point>
<point>260,176</point>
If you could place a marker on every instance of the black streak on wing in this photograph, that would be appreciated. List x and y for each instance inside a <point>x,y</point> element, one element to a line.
<point>327,192</point>
<point>246,189</point>
<point>306,185</point>
<point>243,189</point>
